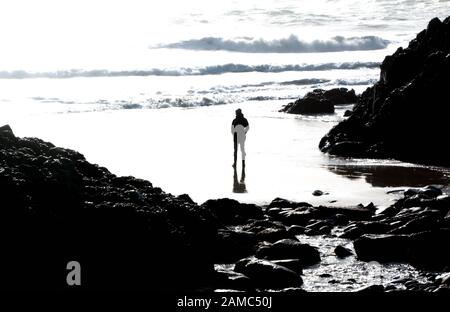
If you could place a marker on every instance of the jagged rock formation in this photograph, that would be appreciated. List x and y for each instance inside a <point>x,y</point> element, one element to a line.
<point>405,114</point>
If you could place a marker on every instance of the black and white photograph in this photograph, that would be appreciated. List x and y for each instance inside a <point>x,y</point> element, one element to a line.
<point>225,154</point>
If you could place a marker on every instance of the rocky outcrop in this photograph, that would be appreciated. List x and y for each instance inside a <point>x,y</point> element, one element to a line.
<point>412,230</point>
<point>321,101</point>
<point>56,207</point>
<point>405,114</point>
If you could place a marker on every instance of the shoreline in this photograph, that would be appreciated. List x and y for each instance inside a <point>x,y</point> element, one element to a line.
<point>131,145</point>
<point>97,202</point>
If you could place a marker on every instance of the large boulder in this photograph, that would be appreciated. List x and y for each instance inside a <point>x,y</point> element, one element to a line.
<point>405,114</point>
<point>284,203</point>
<point>424,249</point>
<point>339,96</point>
<point>321,102</point>
<point>290,249</point>
<point>230,211</point>
<point>233,245</point>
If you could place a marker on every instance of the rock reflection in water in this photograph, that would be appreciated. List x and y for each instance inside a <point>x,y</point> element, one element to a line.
<point>393,176</point>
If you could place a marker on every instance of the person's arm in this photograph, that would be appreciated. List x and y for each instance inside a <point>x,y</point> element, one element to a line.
<point>247,127</point>
<point>232,128</point>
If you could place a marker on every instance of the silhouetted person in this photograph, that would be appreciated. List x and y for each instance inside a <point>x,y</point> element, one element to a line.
<point>239,187</point>
<point>239,129</point>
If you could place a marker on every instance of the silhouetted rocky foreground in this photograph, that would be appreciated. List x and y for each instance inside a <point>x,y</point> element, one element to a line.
<point>405,114</point>
<point>57,207</point>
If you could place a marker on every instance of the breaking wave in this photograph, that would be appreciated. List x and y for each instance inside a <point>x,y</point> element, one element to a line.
<point>207,70</point>
<point>291,44</point>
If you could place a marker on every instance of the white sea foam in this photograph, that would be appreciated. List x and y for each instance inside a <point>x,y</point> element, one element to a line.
<point>193,71</point>
<point>291,44</point>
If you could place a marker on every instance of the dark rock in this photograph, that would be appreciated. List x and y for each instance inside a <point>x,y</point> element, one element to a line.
<point>284,203</point>
<point>317,224</point>
<point>6,132</point>
<point>229,279</point>
<point>348,113</point>
<point>443,289</point>
<point>317,193</point>
<point>352,232</point>
<point>447,217</point>
<point>259,225</point>
<point>424,249</point>
<point>296,229</point>
<point>292,264</point>
<point>309,105</point>
<point>290,249</point>
<point>298,216</point>
<point>320,227</point>
<point>340,219</point>
<point>321,102</point>
<point>352,213</point>
<point>233,245</point>
<point>273,212</point>
<point>325,275</point>
<point>265,274</point>
<point>312,232</point>
<point>389,288</point>
<point>57,207</point>
<point>383,248</point>
<point>357,229</point>
<point>230,211</point>
<point>273,234</point>
<point>443,279</point>
<point>429,190</point>
<point>418,224</point>
<point>375,227</point>
<point>342,252</point>
<point>185,198</point>
<point>384,122</point>
<point>340,96</point>
<point>326,229</point>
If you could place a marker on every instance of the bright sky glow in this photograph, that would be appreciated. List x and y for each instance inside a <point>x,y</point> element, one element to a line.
<point>53,31</point>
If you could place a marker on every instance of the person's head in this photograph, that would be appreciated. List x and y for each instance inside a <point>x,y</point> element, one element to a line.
<point>239,112</point>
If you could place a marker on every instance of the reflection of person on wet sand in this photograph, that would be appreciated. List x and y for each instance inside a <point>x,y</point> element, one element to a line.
<point>239,129</point>
<point>239,186</point>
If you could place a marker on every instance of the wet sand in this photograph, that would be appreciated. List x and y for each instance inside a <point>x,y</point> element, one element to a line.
<point>191,151</point>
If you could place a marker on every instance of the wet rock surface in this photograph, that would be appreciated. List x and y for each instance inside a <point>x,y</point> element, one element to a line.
<point>408,232</point>
<point>405,114</point>
<point>266,274</point>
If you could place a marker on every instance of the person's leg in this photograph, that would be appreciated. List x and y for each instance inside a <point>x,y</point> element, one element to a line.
<point>235,149</point>
<point>242,146</point>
